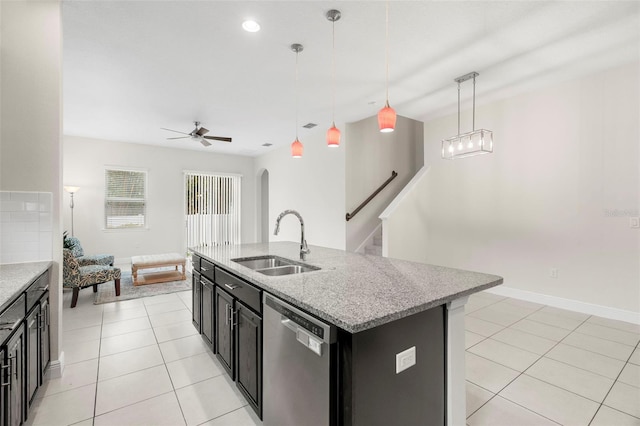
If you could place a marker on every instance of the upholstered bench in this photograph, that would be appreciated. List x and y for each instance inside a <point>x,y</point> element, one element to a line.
<point>157,261</point>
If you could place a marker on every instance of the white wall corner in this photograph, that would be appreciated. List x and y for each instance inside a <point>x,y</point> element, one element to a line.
<point>56,367</point>
<point>456,382</point>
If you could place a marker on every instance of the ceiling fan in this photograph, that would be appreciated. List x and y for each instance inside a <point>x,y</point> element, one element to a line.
<point>198,134</point>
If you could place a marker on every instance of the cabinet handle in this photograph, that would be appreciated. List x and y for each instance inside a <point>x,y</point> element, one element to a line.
<point>234,316</point>
<point>231,286</point>
<point>8,375</point>
<point>226,314</point>
<point>15,324</point>
<point>202,268</point>
<point>45,288</point>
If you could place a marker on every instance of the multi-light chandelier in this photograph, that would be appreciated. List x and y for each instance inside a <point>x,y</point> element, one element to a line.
<point>472,143</point>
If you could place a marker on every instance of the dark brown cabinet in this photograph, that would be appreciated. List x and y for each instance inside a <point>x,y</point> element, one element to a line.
<point>13,378</point>
<point>196,300</point>
<point>45,335</point>
<point>207,315</point>
<point>249,355</point>
<point>33,349</point>
<point>224,337</point>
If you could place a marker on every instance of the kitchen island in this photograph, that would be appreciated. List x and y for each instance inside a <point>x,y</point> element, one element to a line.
<point>361,295</point>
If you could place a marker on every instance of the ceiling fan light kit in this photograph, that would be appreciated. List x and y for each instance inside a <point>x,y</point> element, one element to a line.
<point>198,134</point>
<point>475,142</point>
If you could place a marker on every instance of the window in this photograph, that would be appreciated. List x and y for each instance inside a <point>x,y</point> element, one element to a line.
<point>125,199</point>
<point>212,209</point>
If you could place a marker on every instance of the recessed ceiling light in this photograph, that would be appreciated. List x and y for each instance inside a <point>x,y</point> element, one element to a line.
<point>251,26</point>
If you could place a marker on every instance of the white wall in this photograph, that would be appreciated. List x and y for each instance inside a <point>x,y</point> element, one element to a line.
<point>30,119</point>
<point>313,185</point>
<point>371,156</point>
<point>84,164</point>
<point>557,192</point>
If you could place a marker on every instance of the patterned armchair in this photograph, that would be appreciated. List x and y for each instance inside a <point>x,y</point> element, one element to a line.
<point>78,277</point>
<point>84,260</point>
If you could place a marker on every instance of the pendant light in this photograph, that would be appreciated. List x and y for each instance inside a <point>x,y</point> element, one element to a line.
<point>387,115</point>
<point>475,142</point>
<point>296,147</point>
<point>333,134</point>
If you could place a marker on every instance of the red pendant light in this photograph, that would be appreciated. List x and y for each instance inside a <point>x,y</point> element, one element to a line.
<point>333,134</point>
<point>297,149</point>
<point>387,115</point>
<point>333,137</point>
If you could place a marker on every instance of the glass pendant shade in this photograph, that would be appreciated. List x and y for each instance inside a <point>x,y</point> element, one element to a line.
<point>333,137</point>
<point>296,149</point>
<point>387,119</point>
<point>469,144</point>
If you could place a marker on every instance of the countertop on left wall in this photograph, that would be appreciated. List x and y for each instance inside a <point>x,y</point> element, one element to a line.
<point>16,277</point>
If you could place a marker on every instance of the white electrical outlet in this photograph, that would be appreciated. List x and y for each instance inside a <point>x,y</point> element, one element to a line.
<point>553,272</point>
<point>405,359</point>
<point>634,222</point>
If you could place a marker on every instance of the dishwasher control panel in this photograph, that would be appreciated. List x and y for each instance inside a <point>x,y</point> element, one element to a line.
<point>315,328</point>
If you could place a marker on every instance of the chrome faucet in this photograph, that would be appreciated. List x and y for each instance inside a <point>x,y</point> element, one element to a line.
<point>304,250</point>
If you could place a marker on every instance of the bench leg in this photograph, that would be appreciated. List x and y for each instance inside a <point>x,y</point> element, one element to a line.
<point>117,283</point>
<point>74,298</point>
<point>95,288</point>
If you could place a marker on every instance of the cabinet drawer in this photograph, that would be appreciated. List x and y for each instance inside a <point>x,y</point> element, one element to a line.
<point>36,290</point>
<point>240,289</point>
<point>195,262</point>
<point>11,318</point>
<point>206,269</point>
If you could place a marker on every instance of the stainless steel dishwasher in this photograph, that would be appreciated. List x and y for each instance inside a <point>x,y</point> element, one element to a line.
<point>299,362</point>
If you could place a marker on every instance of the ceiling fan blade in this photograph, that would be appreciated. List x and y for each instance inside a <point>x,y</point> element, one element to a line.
<point>181,137</point>
<point>202,131</point>
<point>218,138</point>
<point>174,131</point>
<point>205,142</point>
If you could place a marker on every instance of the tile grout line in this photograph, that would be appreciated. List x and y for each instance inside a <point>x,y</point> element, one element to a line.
<point>614,383</point>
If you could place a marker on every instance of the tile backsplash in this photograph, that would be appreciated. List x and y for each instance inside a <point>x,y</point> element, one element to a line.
<point>26,225</point>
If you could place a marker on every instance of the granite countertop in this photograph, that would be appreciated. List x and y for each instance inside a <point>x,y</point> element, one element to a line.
<point>16,277</point>
<point>352,291</point>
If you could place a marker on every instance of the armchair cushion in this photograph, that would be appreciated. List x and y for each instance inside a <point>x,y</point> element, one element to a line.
<point>96,259</point>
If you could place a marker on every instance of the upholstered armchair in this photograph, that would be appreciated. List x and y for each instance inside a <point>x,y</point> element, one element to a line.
<point>84,260</point>
<point>77,277</point>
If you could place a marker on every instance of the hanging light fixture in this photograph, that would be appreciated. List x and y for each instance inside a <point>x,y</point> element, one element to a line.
<point>333,134</point>
<point>387,115</point>
<point>296,147</point>
<point>475,142</point>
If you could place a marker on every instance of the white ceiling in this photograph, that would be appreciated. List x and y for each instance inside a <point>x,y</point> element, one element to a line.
<point>132,67</point>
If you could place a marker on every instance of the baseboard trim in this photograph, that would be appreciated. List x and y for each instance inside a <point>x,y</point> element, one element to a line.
<point>569,304</point>
<point>56,367</point>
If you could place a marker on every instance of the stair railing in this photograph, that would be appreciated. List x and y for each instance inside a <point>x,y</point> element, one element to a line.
<point>350,216</point>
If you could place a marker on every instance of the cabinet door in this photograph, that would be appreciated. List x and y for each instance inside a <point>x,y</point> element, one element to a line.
<point>224,324</point>
<point>45,336</point>
<point>249,356</point>
<point>196,300</point>
<point>4,384</point>
<point>15,359</point>
<point>207,311</point>
<point>33,348</point>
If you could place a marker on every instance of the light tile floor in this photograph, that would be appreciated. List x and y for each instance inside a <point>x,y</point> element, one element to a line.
<point>140,362</point>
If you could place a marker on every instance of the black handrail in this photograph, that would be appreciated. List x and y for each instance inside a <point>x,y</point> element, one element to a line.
<point>350,216</point>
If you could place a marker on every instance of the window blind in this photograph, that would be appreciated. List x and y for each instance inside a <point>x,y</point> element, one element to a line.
<point>125,198</point>
<point>212,208</point>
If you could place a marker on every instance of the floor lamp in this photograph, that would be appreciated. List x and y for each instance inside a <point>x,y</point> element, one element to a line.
<point>71,190</point>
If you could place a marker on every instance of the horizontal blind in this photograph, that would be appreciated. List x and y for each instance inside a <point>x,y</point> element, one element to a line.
<point>125,198</point>
<point>213,209</point>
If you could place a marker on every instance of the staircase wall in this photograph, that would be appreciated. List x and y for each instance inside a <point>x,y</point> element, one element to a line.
<point>370,157</point>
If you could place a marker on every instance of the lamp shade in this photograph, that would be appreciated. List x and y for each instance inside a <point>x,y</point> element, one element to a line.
<point>296,149</point>
<point>333,136</point>
<point>71,189</point>
<point>387,119</point>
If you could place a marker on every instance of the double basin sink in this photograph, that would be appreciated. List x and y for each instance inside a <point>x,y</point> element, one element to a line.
<point>274,265</point>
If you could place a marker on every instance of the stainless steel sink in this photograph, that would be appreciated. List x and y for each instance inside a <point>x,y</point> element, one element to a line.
<point>274,265</point>
<point>262,262</point>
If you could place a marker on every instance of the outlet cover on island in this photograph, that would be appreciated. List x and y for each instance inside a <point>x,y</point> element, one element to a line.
<point>405,359</point>
<point>553,273</point>
<point>634,222</point>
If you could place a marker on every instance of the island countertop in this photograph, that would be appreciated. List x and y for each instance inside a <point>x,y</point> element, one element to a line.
<point>353,291</point>
<point>16,277</point>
